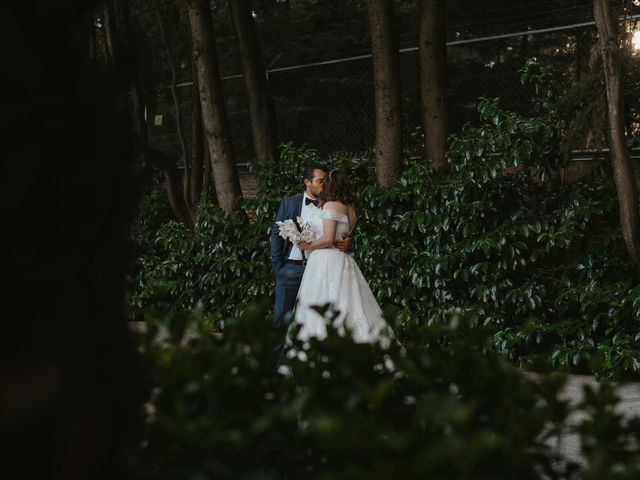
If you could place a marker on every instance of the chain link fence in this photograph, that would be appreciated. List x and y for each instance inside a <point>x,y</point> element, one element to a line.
<point>329,106</point>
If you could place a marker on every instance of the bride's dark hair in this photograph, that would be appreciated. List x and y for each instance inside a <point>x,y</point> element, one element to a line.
<point>336,188</point>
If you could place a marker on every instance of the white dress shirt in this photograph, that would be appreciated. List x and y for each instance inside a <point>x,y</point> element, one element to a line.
<point>305,213</point>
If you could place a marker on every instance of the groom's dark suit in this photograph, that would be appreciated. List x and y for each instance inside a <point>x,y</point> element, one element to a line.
<point>290,208</point>
<point>288,275</point>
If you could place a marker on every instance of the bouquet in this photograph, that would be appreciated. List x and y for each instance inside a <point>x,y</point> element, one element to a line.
<point>297,230</point>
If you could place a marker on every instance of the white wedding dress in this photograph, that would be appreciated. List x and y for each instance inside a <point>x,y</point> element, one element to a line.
<point>332,276</point>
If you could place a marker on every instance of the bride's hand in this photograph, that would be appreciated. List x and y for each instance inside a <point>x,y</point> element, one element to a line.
<point>304,246</point>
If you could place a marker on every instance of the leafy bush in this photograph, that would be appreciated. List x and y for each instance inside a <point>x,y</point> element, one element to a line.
<point>335,409</point>
<point>220,267</point>
<point>498,235</point>
<point>508,242</point>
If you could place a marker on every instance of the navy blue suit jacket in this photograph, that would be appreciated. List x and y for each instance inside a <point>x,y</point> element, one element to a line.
<point>290,208</point>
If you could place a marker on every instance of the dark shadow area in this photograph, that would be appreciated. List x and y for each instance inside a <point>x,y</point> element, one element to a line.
<point>71,385</point>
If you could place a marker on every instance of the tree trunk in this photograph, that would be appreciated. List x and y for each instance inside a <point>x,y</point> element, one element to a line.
<point>623,172</point>
<point>174,188</point>
<point>261,109</point>
<point>223,167</point>
<point>208,187</point>
<point>138,120</point>
<point>433,81</point>
<point>386,73</point>
<point>119,36</point>
<point>108,16</point>
<point>581,58</point>
<point>186,176</point>
<point>91,47</point>
<point>198,183</point>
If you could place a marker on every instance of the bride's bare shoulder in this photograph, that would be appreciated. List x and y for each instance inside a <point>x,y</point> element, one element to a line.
<point>336,207</point>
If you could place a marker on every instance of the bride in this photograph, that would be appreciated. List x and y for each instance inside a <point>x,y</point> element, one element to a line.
<point>333,277</point>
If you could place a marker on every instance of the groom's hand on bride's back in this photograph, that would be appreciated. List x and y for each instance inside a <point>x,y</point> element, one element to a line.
<point>345,244</point>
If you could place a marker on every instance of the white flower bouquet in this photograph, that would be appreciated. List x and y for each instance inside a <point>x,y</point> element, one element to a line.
<point>297,230</point>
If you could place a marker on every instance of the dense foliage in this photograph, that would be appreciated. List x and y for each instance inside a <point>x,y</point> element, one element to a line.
<point>335,409</point>
<point>499,236</point>
<point>497,260</point>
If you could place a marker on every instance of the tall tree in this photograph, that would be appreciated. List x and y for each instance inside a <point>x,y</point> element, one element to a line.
<point>117,46</point>
<point>262,112</point>
<point>136,85</point>
<point>195,178</point>
<point>200,166</point>
<point>623,172</point>
<point>173,87</point>
<point>216,129</point>
<point>386,73</point>
<point>433,80</point>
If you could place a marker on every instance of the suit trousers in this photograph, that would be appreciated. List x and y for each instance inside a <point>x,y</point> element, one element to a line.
<point>287,285</point>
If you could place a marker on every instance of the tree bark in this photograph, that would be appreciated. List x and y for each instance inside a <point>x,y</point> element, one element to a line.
<point>433,81</point>
<point>208,187</point>
<point>108,16</point>
<point>173,185</point>
<point>119,36</point>
<point>386,73</point>
<point>137,94</point>
<point>623,171</point>
<point>91,48</point>
<point>223,167</point>
<point>262,112</point>
<point>582,54</point>
<point>186,177</point>
<point>198,183</point>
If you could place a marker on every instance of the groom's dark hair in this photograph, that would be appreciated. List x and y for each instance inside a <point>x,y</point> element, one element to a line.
<point>310,168</point>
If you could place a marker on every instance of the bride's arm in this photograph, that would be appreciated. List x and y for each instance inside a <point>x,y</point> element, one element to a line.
<point>326,240</point>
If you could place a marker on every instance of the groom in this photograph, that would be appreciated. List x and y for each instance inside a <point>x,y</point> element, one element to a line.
<point>287,259</point>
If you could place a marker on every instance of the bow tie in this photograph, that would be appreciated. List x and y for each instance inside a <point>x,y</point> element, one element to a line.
<point>308,200</point>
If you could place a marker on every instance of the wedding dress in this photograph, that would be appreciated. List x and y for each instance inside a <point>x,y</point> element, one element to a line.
<point>332,276</point>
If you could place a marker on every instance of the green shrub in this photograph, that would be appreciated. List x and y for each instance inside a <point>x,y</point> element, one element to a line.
<point>334,409</point>
<point>497,235</point>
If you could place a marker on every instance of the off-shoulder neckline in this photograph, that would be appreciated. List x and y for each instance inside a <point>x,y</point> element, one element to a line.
<point>343,216</point>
